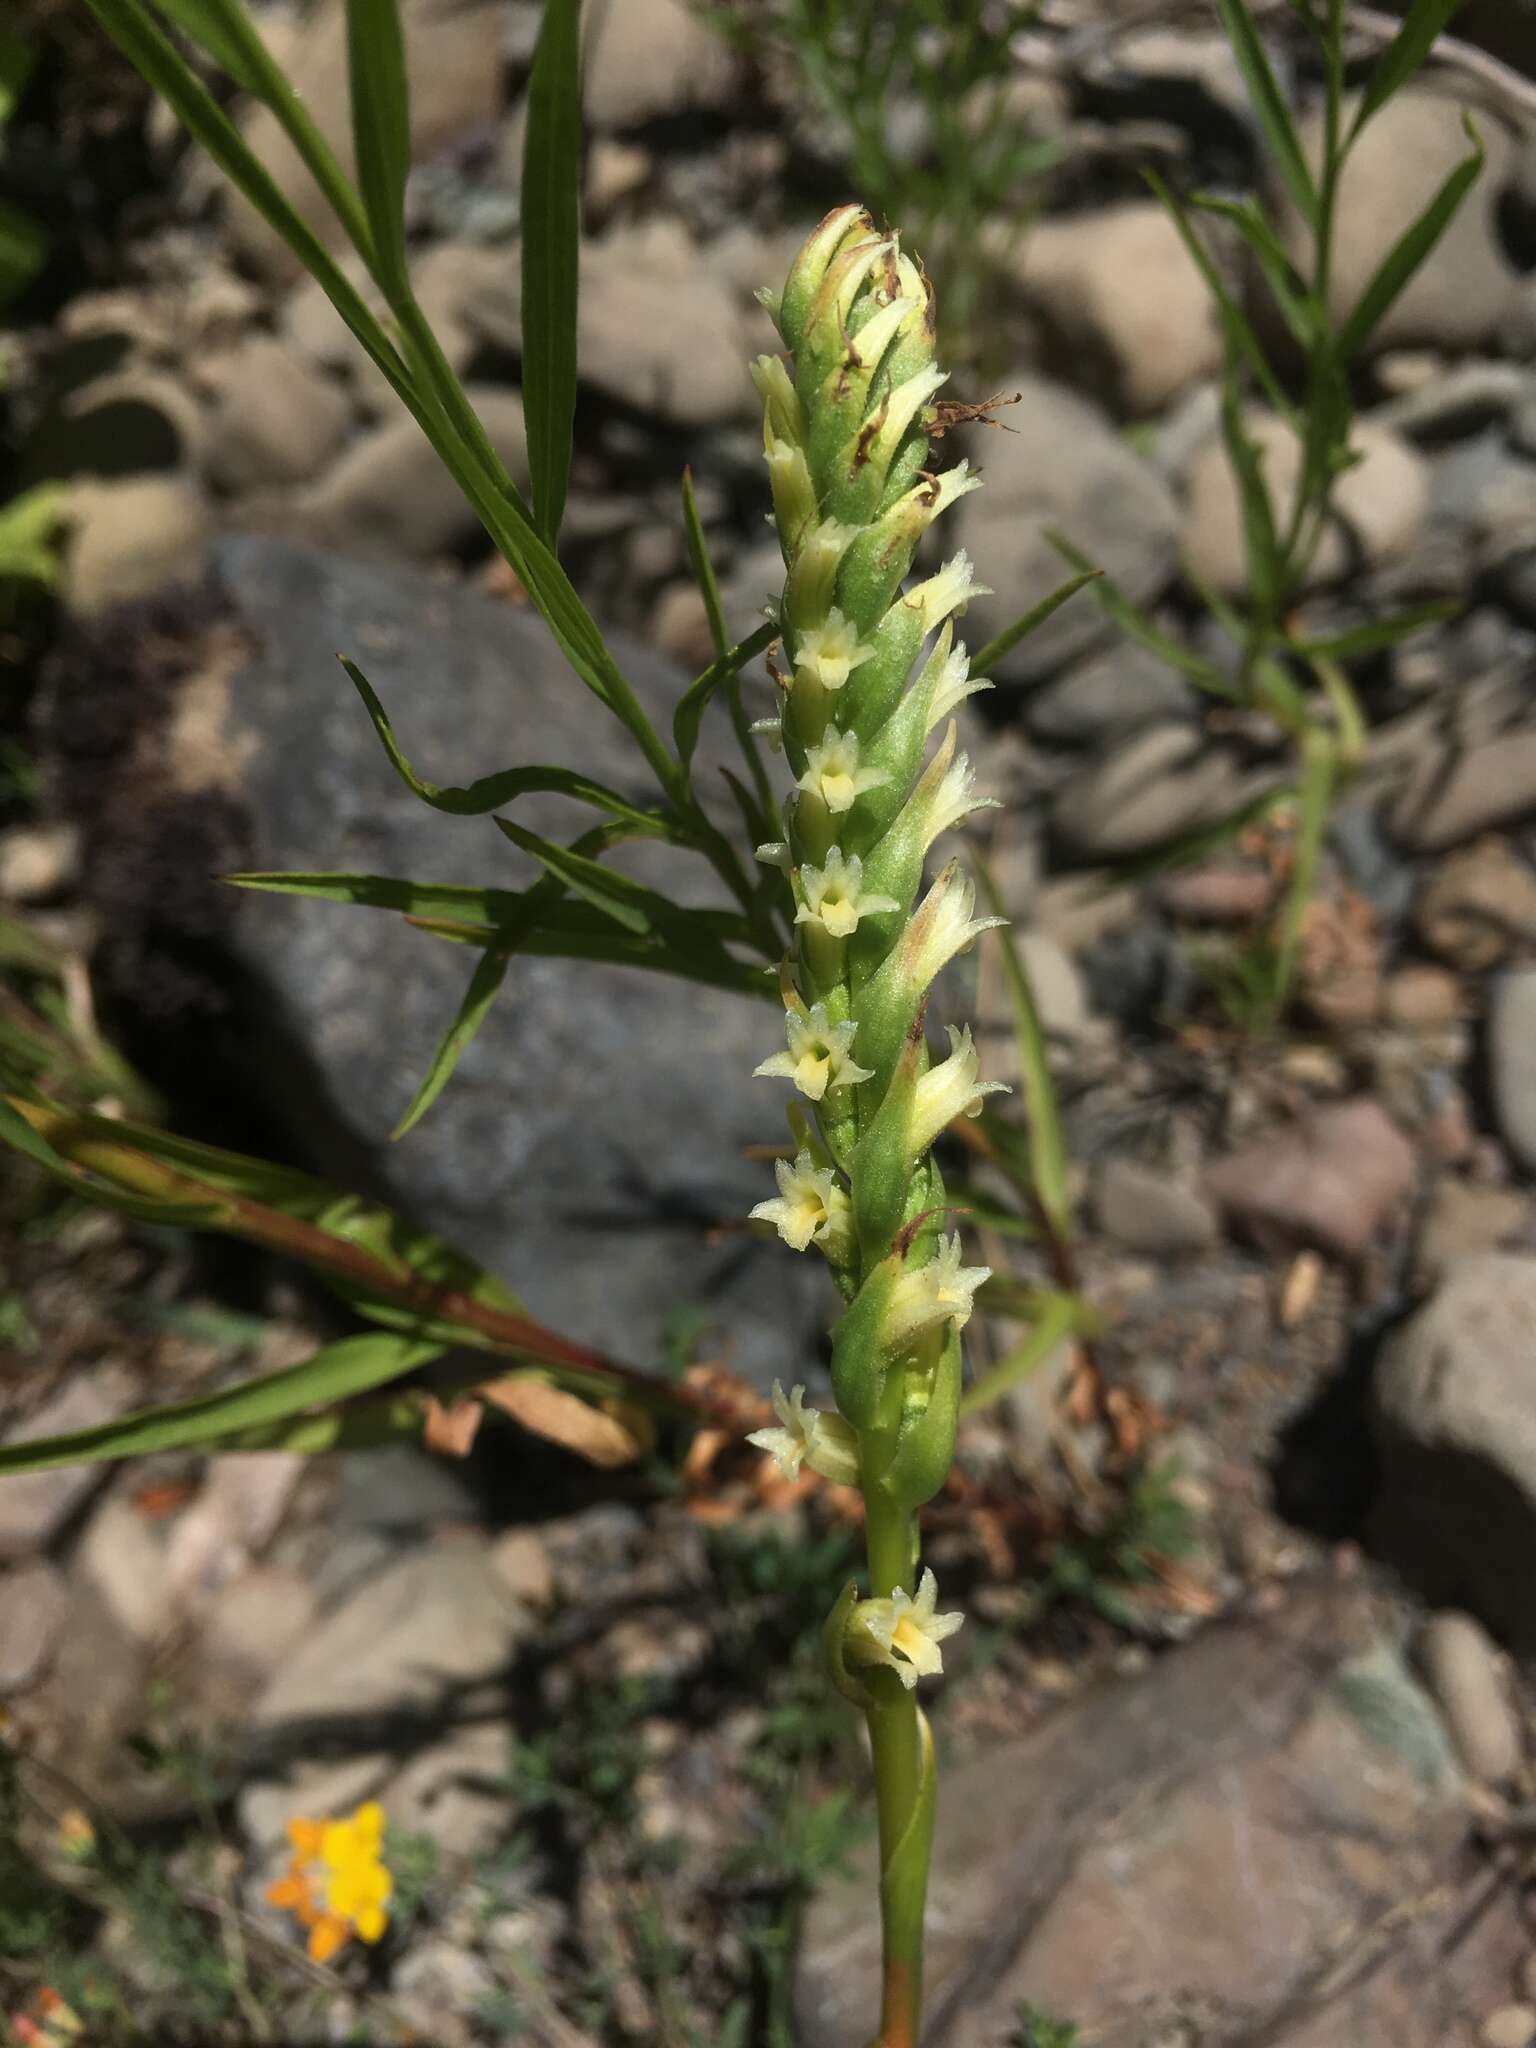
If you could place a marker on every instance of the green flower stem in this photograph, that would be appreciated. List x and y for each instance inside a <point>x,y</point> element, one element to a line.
<point>896,1743</point>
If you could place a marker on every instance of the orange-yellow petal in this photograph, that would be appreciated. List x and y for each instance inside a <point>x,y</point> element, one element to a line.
<point>326,1936</point>
<point>306,1835</point>
<point>290,1892</point>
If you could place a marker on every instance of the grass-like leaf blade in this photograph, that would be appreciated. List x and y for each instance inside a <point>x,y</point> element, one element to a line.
<point>1402,57</point>
<point>381,133</point>
<point>1410,251</point>
<point>484,987</point>
<point>551,217</point>
<point>1269,105</point>
<point>1047,1145</point>
<point>1375,634</point>
<point>688,718</point>
<point>1004,642</point>
<point>352,1366</point>
<point>490,792</point>
<point>1135,624</point>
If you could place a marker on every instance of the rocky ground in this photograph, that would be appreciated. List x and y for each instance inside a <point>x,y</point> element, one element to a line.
<point>1238,1734</point>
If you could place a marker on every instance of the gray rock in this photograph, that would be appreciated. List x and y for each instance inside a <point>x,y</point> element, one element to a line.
<point>1454,1420</point>
<point>1097,701</point>
<point>1454,794</point>
<point>1512,1062</point>
<point>276,420</point>
<point>1464,1218</point>
<point>34,1506</point>
<point>656,326</point>
<point>1187,1845</point>
<point>593,1134</point>
<point>1509,2026</point>
<point>1329,1180</point>
<point>454,58</point>
<point>1469,1682</point>
<point>1147,791</point>
<point>129,536</point>
<point>1124,295</point>
<point>390,496</point>
<point>1380,504</point>
<point>1478,907</point>
<point>1464,289</point>
<point>1061,465</point>
<point>384,1691</point>
<point>1459,401</point>
<point>1061,998</point>
<point>1150,1212</point>
<point>33,1604</point>
<point>649,59</point>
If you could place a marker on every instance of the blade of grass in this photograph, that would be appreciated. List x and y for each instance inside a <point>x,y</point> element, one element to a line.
<point>551,218</point>
<point>381,133</point>
<point>490,792</point>
<point>484,987</point>
<point>1402,58</point>
<point>1410,251</point>
<point>709,589</point>
<point>1269,105</point>
<point>1135,624</point>
<point>1004,642</point>
<point>1047,1147</point>
<point>1058,1316</point>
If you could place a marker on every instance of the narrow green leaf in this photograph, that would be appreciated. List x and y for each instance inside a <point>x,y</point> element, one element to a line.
<point>709,589</point>
<point>1377,633</point>
<point>1268,251</point>
<point>484,987</point>
<point>1185,848</point>
<point>381,133</point>
<point>1319,777</point>
<point>703,568</point>
<point>688,718</point>
<point>1269,106</point>
<point>132,28</point>
<point>384,892</point>
<point>16,1132</point>
<point>1242,341</point>
<point>1402,57</point>
<point>629,903</point>
<point>1409,252</point>
<point>489,792</point>
<point>1260,542</point>
<point>226,33</point>
<point>1135,624</point>
<point>1057,1315</point>
<point>349,1367</point>
<point>551,219</point>
<point>1004,642</point>
<point>688,956</point>
<point>1047,1146</point>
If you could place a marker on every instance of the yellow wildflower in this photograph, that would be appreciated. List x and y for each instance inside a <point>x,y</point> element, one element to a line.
<point>337,1884</point>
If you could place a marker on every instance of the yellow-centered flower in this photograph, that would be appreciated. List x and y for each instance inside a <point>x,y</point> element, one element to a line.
<point>903,1633</point>
<point>809,1436</point>
<point>819,1055</point>
<point>834,895</point>
<point>810,1207</point>
<point>832,771</point>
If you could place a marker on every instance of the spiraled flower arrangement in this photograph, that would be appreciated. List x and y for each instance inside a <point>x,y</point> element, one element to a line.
<point>872,671</point>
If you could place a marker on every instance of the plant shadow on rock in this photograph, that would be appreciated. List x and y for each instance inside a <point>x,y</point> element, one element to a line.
<point>1325,1469</point>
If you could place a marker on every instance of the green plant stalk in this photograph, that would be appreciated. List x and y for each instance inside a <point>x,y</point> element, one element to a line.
<point>896,1749</point>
